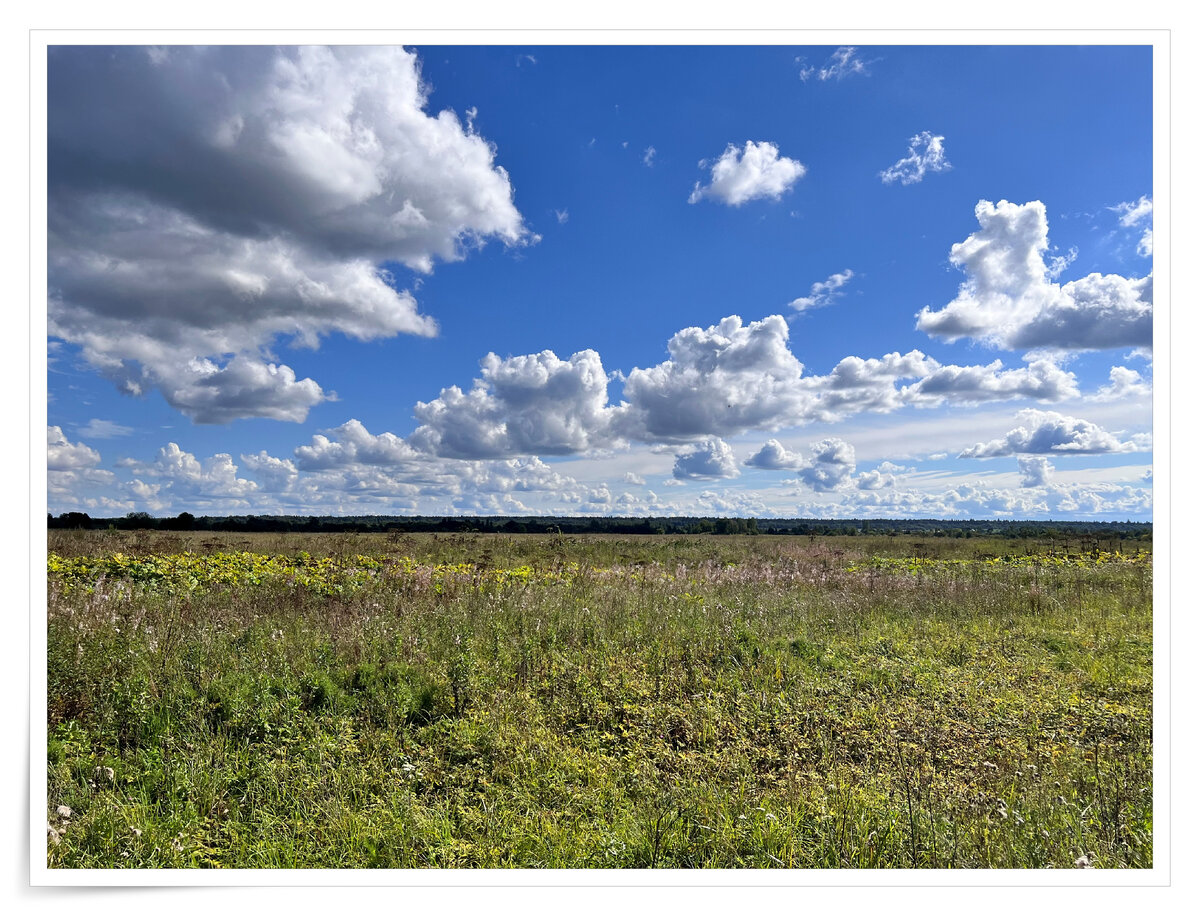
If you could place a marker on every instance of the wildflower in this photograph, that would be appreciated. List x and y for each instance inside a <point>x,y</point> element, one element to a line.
<point>104,772</point>
<point>135,831</point>
<point>63,811</point>
<point>52,834</point>
<point>1083,861</point>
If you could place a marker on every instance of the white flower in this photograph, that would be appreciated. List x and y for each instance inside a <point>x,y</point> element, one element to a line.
<point>63,811</point>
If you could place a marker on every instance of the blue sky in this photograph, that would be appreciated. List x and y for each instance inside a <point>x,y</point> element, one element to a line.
<point>765,281</point>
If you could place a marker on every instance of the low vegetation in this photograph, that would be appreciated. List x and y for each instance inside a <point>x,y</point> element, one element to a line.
<point>534,701</point>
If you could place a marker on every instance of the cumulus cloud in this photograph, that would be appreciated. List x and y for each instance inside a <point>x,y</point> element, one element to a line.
<point>187,477</point>
<point>710,460</point>
<point>1123,383</point>
<point>1042,380</point>
<point>1007,299</point>
<point>353,444</point>
<point>722,380</point>
<point>64,455</point>
<point>274,184</point>
<point>754,172</point>
<point>72,479</point>
<point>925,154</point>
<point>273,474</point>
<point>774,457</point>
<point>1035,472</point>
<point>857,384</point>
<point>1048,433</point>
<point>874,480</point>
<point>823,292</point>
<point>831,467</point>
<point>974,501</point>
<point>534,404</point>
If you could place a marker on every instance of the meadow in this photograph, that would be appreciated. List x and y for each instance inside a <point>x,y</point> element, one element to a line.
<point>549,701</point>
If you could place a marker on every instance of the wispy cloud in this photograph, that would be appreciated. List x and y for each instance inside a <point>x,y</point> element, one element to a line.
<point>842,63</point>
<point>823,292</point>
<point>1132,214</point>
<point>648,156</point>
<point>925,154</point>
<point>103,429</point>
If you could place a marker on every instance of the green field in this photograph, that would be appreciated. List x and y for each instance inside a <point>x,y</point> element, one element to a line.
<point>528,701</point>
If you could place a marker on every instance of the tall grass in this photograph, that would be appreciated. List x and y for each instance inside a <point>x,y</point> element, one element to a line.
<point>626,702</point>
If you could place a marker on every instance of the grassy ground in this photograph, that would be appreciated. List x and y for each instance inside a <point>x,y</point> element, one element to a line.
<point>600,702</point>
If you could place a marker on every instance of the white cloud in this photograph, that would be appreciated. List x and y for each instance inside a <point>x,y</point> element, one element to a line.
<point>353,445</point>
<point>774,457</point>
<point>73,481</point>
<point>1133,212</point>
<point>975,501</point>
<point>207,392</point>
<point>823,292</point>
<point>636,480</point>
<point>648,156</point>
<point>562,215</point>
<point>535,404</point>
<point>103,429</point>
<point>754,172</point>
<point>804,71</point>
<point>723,380</point>
<point>712,459</point>
<point>1123,384</point>
<point>719,381</point>
<point>186,477</point>
<point>1041,380</point>
<point>842,63</point>
<point>274,474</point>
<point>1008,301</point>
<point>275,183</point>
<point>925,154</point>
<point>831,467</point>
<point>1035,472</point>
<point>874,480</point>
<point>1050,433</point>
<point>857,385</point>
<point>64,455</point>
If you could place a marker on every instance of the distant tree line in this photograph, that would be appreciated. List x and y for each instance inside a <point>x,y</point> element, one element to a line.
<point>403,524</point>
